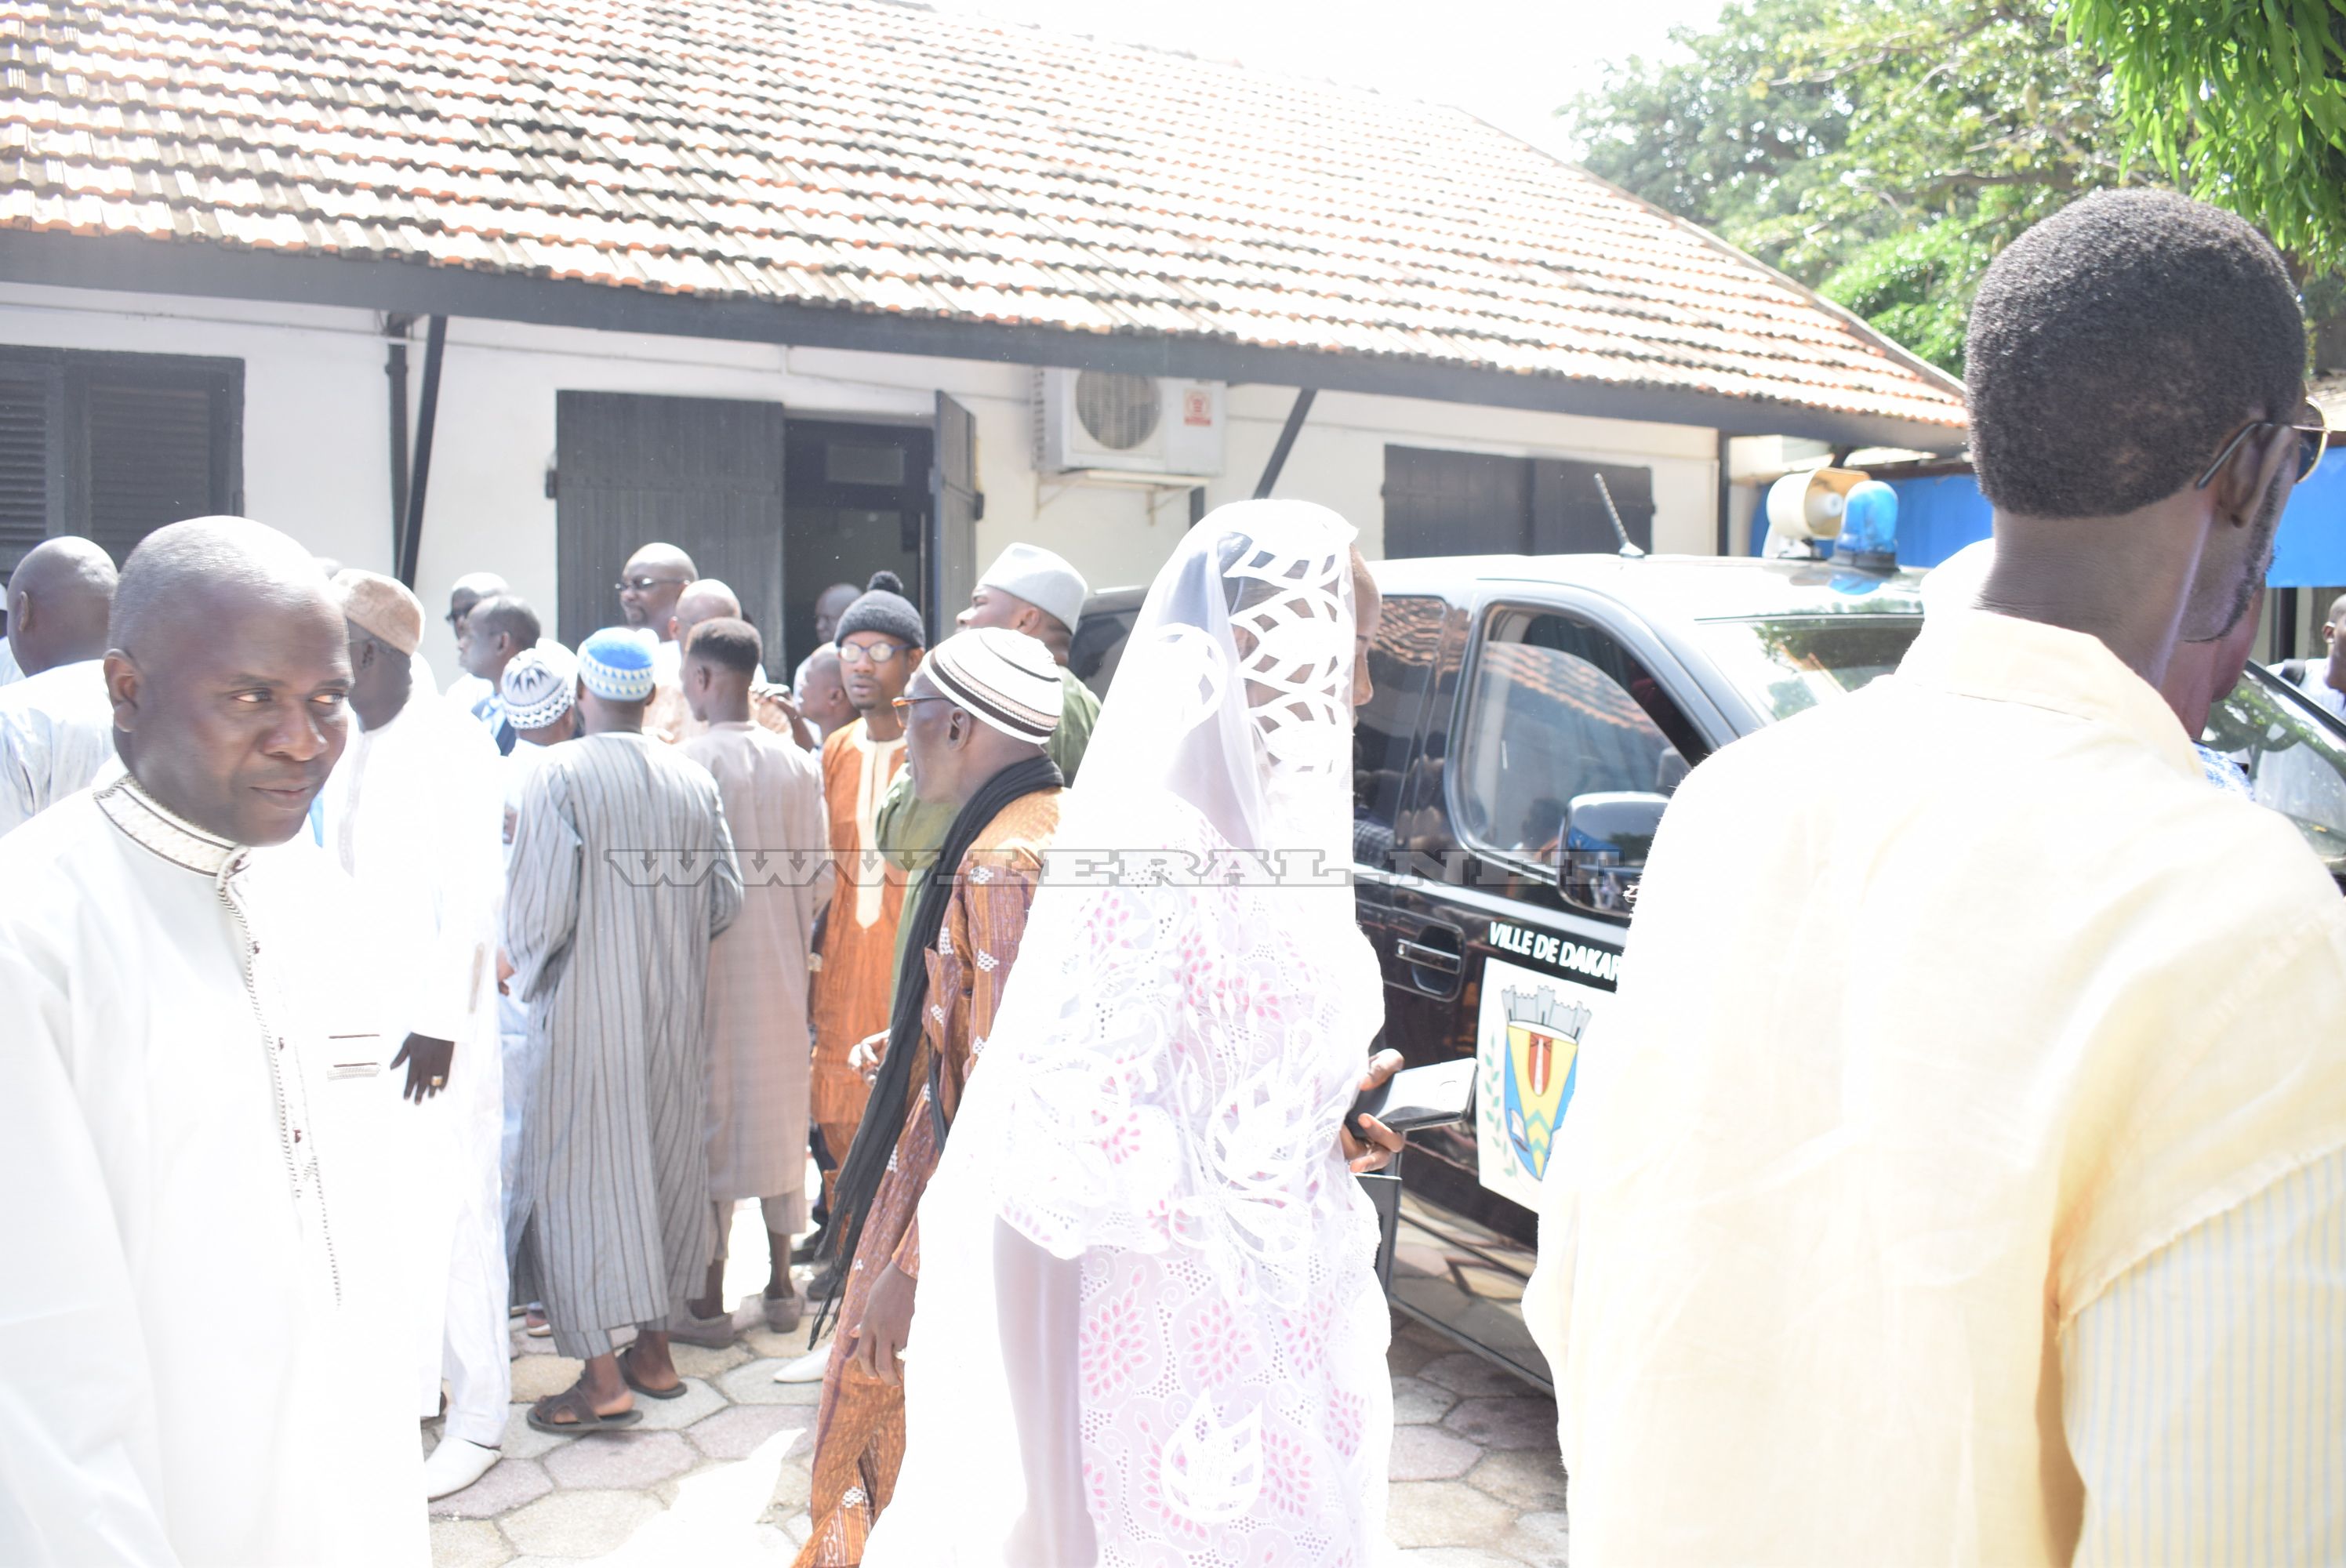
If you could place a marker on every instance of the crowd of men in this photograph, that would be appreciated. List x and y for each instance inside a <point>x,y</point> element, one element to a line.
<point>575,956</point>
<point>1959,1174</point>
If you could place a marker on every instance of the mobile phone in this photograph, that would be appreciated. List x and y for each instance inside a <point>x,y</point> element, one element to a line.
<point>1416,1099</point>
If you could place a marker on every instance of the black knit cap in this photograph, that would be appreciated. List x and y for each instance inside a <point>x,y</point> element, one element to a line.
<point>884,608</point>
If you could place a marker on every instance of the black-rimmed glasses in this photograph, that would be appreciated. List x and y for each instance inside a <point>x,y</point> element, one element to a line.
<point>2312,440</point>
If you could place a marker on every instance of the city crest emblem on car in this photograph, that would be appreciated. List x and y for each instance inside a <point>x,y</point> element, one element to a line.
<point>1543,1062</point>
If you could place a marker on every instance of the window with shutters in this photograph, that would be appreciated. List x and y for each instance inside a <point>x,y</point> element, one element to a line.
<point>113,446</point>
<point>1440,503</point>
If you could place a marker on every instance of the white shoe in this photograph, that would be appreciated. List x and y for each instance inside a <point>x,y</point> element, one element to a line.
<point>807,1369</point>
<point>455,1465</point>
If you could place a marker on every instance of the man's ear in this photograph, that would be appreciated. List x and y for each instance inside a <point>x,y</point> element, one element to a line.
<point>122,687</point>
<point>2240,485</point>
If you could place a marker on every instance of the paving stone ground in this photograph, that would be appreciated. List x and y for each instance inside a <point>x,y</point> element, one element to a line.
<point>720,1477</point>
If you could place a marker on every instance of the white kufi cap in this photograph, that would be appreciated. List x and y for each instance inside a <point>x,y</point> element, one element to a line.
<point>1044,580</point>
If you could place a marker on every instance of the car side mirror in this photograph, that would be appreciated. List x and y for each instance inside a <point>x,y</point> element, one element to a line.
<point>1606,837</point>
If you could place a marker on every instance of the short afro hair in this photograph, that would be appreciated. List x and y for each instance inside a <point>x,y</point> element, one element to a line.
<point>728,644</point>
<point>2116,345</point>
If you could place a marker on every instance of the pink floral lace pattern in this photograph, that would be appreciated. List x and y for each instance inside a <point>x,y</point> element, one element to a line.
<point>1176,1129</point>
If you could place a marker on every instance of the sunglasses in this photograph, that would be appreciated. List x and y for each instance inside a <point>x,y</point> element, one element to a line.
<point>877,653</point>
<point>905,704</point>
<point>2312,441</point>
<point>644,584</point>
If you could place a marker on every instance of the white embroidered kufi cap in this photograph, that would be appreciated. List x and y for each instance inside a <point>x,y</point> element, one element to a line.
<point>539,686</point>
<point>1005,679</point>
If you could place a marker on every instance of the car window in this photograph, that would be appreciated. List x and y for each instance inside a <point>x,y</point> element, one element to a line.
<point>2293,762</point>
<point>1098,647</point>
<point>1384,729</point>
<point>1557,709</point>
<point>1785,664</point>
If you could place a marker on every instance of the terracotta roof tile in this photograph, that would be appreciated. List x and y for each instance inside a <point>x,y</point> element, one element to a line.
<point>881,156</point>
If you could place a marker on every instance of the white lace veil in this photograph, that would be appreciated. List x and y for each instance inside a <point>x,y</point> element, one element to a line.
<point>1228,729</point>
<point>1234,693</point>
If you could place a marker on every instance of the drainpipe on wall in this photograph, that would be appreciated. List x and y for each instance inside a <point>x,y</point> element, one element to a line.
<point>1726,500</point>
<point>1295,417</point>
<point>411,544</point>
<point>394,326</point>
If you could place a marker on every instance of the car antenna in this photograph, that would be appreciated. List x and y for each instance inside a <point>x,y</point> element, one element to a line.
<point>1614,512</point>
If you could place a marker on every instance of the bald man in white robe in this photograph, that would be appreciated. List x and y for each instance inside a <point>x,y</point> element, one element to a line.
<point>56,724</point>
<point>194,1245</point>
<point>57,733</point>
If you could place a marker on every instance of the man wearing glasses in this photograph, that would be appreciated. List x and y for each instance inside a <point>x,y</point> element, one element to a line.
<point>649,588</point>
<point>1961,1174</point>
<point>879,641</point>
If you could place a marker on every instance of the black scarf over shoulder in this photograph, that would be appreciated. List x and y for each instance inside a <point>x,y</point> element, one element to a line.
<point>884,1115</point>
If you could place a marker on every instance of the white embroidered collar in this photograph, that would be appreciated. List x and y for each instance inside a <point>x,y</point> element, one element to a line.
<point>155,826</point>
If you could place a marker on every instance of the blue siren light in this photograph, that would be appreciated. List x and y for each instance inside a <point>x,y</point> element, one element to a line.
<point>1869,528</point>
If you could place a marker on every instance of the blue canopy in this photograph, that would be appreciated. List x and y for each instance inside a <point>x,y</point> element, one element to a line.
<point>2312,550</point>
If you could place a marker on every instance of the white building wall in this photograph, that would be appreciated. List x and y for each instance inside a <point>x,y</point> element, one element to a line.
<point>317,452</point>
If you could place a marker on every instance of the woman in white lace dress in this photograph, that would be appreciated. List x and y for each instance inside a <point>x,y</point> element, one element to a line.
<point>1149,1329</point>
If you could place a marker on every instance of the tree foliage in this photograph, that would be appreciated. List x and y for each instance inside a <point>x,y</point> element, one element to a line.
<point>2242,103</point>
<point>1880,150</point>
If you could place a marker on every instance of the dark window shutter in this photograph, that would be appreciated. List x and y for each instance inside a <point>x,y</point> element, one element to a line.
<point>1568,515</point>
<point>156,452</point>
<point>702,473</point>
<point>113,446</point>
<point>1443,503</point>
<point>31,435</point>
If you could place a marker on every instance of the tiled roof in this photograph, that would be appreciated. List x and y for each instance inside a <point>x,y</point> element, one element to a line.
<point>871,157</point>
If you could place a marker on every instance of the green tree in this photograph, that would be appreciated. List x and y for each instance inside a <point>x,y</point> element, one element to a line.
<point>2242,103</point>
<point>1879,152</point>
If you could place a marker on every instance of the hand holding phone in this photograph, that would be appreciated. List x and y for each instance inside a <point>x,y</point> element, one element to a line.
<point>1420,1097</point>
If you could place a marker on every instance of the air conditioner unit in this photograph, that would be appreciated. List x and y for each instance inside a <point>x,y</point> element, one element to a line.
<point>1141,428</point>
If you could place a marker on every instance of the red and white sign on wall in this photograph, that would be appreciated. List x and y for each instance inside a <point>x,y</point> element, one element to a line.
<point>1197,405</point>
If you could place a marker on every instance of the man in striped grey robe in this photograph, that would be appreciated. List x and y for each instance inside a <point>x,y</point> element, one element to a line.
<point>622,871</point>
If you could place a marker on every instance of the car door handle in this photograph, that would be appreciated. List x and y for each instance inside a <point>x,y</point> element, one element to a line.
<point>1424,957</point>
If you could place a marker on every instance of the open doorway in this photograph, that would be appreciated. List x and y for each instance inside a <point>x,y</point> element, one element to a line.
<point>858,498</point>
